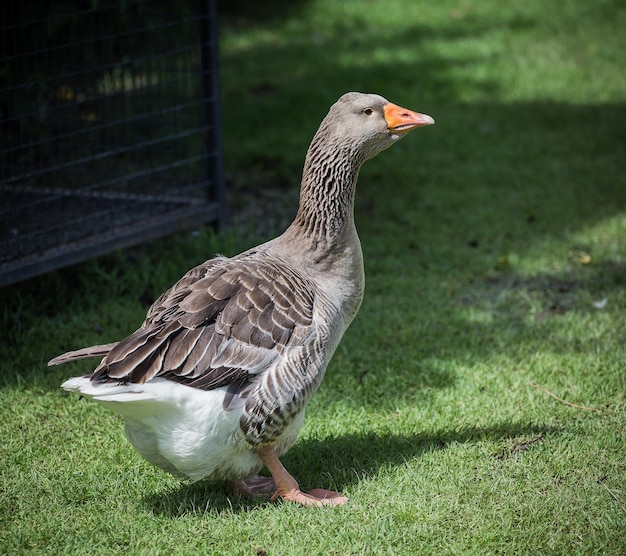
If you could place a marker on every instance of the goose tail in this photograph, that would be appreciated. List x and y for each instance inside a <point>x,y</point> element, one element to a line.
<point>84,353</point>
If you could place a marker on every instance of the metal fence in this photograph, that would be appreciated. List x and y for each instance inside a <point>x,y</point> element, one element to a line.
<point>109,127</point>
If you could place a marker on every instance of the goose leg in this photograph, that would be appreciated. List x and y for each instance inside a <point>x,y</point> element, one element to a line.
<point>287,487</point>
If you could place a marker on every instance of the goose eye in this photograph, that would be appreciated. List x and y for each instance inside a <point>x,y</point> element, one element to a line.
<point>368,111</point>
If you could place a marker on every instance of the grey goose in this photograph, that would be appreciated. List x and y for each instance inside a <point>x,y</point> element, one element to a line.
<point>216,380</point>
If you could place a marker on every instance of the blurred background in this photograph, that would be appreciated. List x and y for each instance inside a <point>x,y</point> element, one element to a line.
<point>111,115</point>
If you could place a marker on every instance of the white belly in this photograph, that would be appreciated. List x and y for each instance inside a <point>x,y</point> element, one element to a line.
<point>181,429</point>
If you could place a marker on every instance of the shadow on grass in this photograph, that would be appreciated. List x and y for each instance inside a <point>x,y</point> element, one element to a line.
<point>555,294</point>
<point>246,14</point>
<point>341,463</point>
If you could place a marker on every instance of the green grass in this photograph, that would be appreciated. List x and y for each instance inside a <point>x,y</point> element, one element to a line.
<point>496,274</point>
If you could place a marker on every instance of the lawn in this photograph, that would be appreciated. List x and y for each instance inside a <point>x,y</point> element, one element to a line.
<point>477,405</point>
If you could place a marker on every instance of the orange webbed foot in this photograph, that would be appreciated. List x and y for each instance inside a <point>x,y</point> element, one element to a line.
<point>287,487</point>
<point>254,486</point>
<point>316,497</point>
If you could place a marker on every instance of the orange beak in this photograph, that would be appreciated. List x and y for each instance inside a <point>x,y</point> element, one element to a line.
<point>400,120</point>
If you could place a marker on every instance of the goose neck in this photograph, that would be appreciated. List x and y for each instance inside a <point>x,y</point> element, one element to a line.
<point>329,179</point>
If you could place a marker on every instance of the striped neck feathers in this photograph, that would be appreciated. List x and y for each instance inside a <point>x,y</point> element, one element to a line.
<point>328,188</point>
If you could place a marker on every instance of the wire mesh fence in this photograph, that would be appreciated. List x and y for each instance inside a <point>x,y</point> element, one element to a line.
<point>109,127</point>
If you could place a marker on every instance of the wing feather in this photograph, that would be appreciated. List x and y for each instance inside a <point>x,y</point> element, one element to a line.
<point>187,344</point>
<point>223,323</point>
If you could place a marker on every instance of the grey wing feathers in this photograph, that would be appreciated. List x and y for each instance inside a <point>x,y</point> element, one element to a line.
<point>221,323</point>
<point>84,353</point>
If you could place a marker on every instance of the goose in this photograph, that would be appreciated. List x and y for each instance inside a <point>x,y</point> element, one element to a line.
<point>215,382</point>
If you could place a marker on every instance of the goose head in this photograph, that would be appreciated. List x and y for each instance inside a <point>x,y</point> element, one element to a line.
<point>370,123</point>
